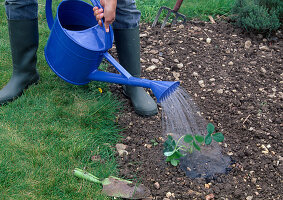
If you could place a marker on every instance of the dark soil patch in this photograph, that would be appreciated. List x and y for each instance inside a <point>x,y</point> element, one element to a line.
<point>241,94</point>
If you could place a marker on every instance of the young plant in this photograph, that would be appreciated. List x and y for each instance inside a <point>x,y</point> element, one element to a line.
<point>172,149</point>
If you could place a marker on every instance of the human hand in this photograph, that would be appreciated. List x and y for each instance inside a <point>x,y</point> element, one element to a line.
<point>108,13</point>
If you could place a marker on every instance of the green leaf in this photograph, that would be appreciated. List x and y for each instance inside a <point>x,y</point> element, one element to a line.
<point>169,153</point>
<point>169,144</point>
<point>208,140</point>
<point>188,138</point>
<point>170,137</point>
<point>210,128</point>
<point>168,159</point>
<point>174,162</point>
<point>178,155</point>
<point>199,138</point>
<point>218,137</point>
<point>196,146</point>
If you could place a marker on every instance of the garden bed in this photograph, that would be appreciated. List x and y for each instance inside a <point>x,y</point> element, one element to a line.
<point>238,87</point>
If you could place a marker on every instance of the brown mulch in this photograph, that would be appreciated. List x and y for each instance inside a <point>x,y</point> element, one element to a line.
<point>238,89</point>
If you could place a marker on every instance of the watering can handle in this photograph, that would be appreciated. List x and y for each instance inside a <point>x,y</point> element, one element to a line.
<point>49,15</point>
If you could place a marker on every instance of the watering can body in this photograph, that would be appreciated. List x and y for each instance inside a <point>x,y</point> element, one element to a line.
<point>77,45</point>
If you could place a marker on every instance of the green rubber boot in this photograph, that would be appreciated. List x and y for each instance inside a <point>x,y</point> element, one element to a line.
<point>24,43</point>
<point>128,48</point>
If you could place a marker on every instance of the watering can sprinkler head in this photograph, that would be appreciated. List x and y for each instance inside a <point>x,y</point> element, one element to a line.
<point>163,89</point>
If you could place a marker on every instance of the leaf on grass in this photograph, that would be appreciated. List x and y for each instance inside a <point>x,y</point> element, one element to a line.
<point>188,138</point>
<point>199,138</point>
<point>196,146</point>
<point>218,137</point>
<point>208,140</point>
<point>210,128</point>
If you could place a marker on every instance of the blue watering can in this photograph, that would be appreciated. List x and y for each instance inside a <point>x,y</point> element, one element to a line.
<point>77,45</point>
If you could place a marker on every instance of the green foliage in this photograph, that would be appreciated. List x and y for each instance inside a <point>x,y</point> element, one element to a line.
<point>172,149</point>
<point>262,16</point>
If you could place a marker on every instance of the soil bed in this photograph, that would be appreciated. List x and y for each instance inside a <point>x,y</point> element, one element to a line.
<point>238,89</point>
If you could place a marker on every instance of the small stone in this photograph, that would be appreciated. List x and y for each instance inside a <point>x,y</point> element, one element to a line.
<point>122,152</point>
<point>206,186</point>
<point>253,180</point>
<point>151,68</point>
<point>195,74</point>
<point>153,51</point>
<point>230,63</point>
<point>120,146</point>
<point>166,199</point>
<point>220,91</point>
<point>201,83</point>
<point>249,198</point>
<point>143,34</point>
<point>209,197</point>
<point>176,60</point>
<point>253,62</point>
<point>263,70</point>
<point>264,48</point>
<point>154,60</point>
<point>142,60</point>
<point>180,65</point>
<point>212,79</point>
<point>156,185</point>
<point>208,40</point>
<point>176,75</point>
<point>181,26</point>
<point>248,44</point>
<point>168,194</point>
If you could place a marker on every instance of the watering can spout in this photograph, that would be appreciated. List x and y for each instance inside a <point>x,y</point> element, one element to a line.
<point>161,89</point>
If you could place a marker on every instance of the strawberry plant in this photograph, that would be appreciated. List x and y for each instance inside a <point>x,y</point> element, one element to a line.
<point>174,150</point>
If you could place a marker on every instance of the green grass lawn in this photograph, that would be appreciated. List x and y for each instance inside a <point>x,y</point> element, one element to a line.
<point>53,128</point>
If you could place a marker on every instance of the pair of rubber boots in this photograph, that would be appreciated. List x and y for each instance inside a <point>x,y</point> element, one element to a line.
<point>24,44</point>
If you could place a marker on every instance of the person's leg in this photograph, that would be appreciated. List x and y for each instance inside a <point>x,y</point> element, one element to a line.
<point>127,40</point>
<point>23,33</point>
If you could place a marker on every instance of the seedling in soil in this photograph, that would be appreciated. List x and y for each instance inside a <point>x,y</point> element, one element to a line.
<point>172,149</point>
<point>153,141</point>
